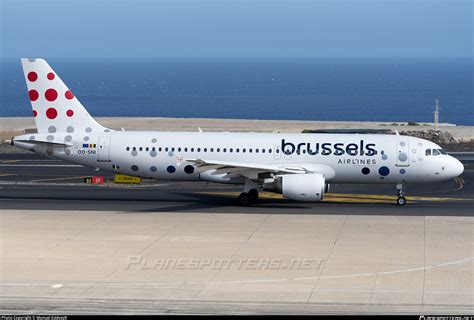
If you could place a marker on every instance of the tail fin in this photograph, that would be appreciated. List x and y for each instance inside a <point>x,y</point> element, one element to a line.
<point>55,108</point>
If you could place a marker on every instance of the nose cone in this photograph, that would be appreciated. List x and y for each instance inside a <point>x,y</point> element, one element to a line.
<point>456,168</point>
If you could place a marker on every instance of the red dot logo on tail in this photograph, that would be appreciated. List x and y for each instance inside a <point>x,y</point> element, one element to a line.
<point>51,94</point>
<point>32,76</point>
<point>69,95</point>
<point>51,113</point>
<point>69,113</point>
<point>34,95</point>
<point>50,76</point>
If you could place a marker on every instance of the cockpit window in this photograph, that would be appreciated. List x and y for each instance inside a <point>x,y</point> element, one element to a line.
<point>442,151</point>
<point>436,152</point>
<point>428,152</point>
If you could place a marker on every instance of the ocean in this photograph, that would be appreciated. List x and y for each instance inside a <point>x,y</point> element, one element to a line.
<point>350,89</point>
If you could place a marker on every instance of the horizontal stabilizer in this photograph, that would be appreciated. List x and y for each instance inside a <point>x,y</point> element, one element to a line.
<point>44,143</point>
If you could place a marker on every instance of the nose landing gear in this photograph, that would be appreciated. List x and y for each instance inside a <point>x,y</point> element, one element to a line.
<point>401,200</point>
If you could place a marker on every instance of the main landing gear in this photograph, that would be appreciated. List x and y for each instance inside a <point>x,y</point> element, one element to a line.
<point>401,200</point>
<point>247,198</point>
<point>250,194</point>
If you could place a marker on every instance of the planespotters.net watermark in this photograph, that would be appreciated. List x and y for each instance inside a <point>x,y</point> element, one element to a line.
<point>139,262</point>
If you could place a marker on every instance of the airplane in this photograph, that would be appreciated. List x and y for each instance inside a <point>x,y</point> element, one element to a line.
<point>301,167</point>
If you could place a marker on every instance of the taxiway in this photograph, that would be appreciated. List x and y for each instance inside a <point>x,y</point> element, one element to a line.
<point>168,247</point>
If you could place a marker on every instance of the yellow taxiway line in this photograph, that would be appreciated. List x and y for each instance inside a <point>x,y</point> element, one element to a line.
<point>344,197</point>
<point>54,179</point>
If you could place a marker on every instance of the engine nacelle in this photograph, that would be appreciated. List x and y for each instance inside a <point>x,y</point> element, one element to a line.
<point>299,187</point>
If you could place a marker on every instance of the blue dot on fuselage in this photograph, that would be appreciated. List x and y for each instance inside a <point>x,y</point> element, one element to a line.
<point>189,169</point>
<point>171,169</point>
<point>384,171</point>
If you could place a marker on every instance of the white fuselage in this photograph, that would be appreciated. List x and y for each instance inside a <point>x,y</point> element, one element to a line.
<point>342,158</point>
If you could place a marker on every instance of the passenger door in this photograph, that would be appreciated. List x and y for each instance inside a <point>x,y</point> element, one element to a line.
<point>104,149</point>
<point>403,152</point>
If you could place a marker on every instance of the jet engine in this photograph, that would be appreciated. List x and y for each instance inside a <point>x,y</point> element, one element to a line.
<point>299,187</point>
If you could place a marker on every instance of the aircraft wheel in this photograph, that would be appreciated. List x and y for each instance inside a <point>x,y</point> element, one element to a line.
<point>401,201</point>
<point>253,194</point>
<point>244,199</point>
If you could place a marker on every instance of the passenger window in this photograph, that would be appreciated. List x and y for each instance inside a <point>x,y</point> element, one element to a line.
<point>218,150</point>
<point>192,149</point>
<point>428,152</point>
<point>140,149</point>
<point>198,149</point>
<point>179,149</point>
<point>237,150</point>
<point>263,150</point>
<point>185,149</point>
<point>230,150</point>
<point>172,149</point>
<point>224,150</point>
<point>147,149</point>
<point>205,149</point>
<point>166,149</point>
<point>153,149</point>
<point>243,150</point>
<point>128,148</point>
<point>436,152</point>
<point>212,149</point>
<point>250,150</point>
<point>159,149</point>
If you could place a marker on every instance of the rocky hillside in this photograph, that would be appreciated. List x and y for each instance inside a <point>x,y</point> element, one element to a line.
<point>444,139</point>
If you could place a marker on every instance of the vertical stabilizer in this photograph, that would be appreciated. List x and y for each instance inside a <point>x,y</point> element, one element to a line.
<point>55,107</point>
